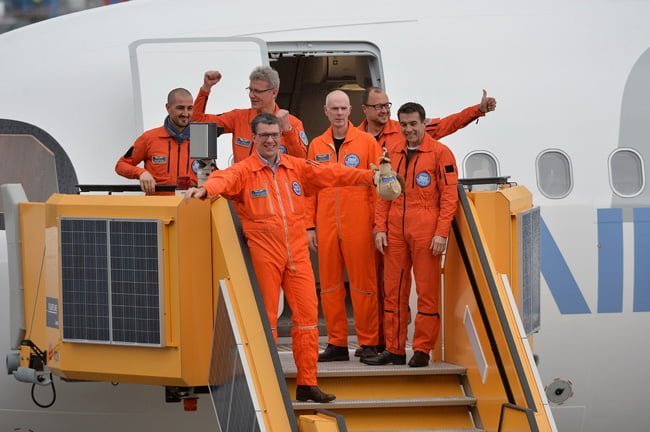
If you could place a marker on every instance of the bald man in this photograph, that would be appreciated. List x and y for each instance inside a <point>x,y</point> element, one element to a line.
<point>164,150</point>
<point>340,223</point>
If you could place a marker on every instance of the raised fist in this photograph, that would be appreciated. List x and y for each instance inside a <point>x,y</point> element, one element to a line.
<point>210,78</point>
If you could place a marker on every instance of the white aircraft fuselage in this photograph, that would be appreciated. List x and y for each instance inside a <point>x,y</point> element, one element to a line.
<point>570,79</point>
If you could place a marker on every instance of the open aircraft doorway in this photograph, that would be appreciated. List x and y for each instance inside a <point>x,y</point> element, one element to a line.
<point>310,70</point>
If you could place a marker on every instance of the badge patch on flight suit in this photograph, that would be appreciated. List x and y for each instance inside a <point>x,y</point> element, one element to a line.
<point>258,193</point>
<point>296,188</point>
<point>322,157</point>
<point>195,166</point>
<point>352,160</point>
<point>282,149</point>
<point>303,137</point>
<point>159,160</point>
<point>242,142</point>
<point>423,179</point>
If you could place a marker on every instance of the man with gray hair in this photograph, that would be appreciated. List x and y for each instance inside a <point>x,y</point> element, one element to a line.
<point>262,91</point>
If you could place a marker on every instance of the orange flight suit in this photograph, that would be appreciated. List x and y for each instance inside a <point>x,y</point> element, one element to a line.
<point>343,218</point>
<point>238,123</point>
<point>392,135</point>
<point>425,209</point>
<point>272,212</point>
<point>163,157</point>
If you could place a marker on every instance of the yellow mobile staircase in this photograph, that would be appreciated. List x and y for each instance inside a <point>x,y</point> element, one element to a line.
<point>197,323</point>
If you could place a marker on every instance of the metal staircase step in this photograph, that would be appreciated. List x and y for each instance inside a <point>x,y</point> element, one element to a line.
<point>387,403</point>
<point>354,368</point>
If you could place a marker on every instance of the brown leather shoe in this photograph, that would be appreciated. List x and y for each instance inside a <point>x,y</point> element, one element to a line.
<point>419,359</point>
<point>334,353</point>
<point>385,358</point>
<point>306,393</point>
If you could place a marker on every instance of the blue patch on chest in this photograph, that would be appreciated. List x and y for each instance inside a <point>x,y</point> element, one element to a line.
<point>423,179</point>
<point>282,149</point>
<point>195,166</point>
<point>303,137</point>
<point>325,157</point>
<point>352,160</point>
<point>296,188</point>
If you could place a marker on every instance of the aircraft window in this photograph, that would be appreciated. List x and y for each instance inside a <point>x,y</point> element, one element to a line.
<point>626,174</point>
<point>554,174</point>
<point>480,164</point>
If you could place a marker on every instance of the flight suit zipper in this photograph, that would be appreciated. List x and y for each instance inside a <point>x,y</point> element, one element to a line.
<point>337,204</point>
<point>292,267</point>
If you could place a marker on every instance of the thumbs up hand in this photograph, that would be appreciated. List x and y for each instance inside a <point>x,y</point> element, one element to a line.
<point>488,103</point>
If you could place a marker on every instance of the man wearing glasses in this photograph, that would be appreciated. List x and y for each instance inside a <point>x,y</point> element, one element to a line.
<point>269,189</point>
<point>341,221</point>
<point>262,91</point>
<point>376,108</point>
<point>388,133</point>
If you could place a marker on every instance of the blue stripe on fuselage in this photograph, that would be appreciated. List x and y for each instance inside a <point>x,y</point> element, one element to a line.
<point>610,260</point>
<point>559,279</point>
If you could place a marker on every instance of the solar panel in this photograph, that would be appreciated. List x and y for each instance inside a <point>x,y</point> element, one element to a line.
<point>135,285</point>
<point>84,263</point>
<point>111,282</point>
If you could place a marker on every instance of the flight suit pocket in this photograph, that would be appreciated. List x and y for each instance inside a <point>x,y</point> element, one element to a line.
<point>158,167</point>
<point>260,203</point>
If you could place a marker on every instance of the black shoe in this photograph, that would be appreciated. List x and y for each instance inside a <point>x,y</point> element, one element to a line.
<point>380,349</point>
<point>419,359</point>
<point>334,353</point>
<point>306,393</point>
<point>368,351</point>
<point>385,358</point>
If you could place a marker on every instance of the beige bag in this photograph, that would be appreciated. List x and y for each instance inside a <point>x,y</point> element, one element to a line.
<point>388,187</point>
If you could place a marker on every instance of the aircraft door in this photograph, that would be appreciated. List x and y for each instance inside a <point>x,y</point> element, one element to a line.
<point>160,65</point>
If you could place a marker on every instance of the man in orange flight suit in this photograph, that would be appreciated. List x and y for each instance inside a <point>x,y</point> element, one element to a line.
<point>376,109</point>
<point>262,90</point>
<point>388,133</point>
<point>165,150</point>
<point>412,232</point>
<point>270,188</point>
<point>343,221</point>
